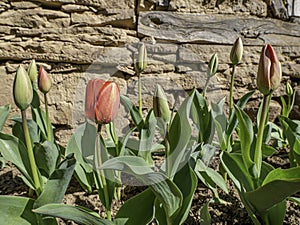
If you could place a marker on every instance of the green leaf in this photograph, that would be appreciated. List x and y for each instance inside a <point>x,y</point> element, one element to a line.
<point>163,188</point>
<point>277,186</point>
<point>276,214</point>
<point>39,117</point>
<point>146,138</point>
<point>57,184</point>
<point>46,157</point>
<point>17,130</point>
<point>134,112</point>
<point>138,209</point>
<point>82,144</point>
<point>186,181</point>
<point>205,218</point>
<point>77,214</point>
<point>203,119</point>
<point>180,134</point>
<point>15,151</point>
<point>246,137</point>
<point>234,165</point>
<point>4,112</point>
<point>17,210</point>
<point>209,176</point>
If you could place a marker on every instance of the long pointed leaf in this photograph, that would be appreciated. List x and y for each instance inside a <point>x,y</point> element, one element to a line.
<point>4,112</point>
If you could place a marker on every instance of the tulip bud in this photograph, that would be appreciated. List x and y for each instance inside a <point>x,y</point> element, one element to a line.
<point>160,105</point>
<point>142,61</point>
<point>32,71</point>
<point>22,89</point>
<point>212,65</point>
<point>289,90</point>
<point>236,51</point>
<point>269,70</point>
<point>44,81</point>
<point>102,101</point>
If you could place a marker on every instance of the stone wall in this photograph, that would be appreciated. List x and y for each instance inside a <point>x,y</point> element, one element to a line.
<point>76,40</point>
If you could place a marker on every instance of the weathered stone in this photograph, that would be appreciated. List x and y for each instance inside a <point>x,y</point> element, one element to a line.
<point>24,5</point>
<point>30,18</point>
<point>74,8</point>
<point>293,8</point>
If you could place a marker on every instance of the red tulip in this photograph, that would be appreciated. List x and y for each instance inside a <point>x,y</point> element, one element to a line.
<point>269,70</point>
<point>44,81</point>
<point>102,101</point>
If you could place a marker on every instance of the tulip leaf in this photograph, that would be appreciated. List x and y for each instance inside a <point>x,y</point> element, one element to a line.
<point>77,214</point>
<point>57,184</point>
<point>15,151</point>
<point>291,129</point>
<point>234,165</point>
<point>4,112</point>
<point>17,210</point>
<point>163,188</point>
<point>180,134</point>
<point>186,181</point>
<point>146,138</point>
<point>17,130</point>
<point>82,143</point>
<point>277,186</point>
<point>246,137</point>
<point>46,157</point>
<point>205,218</point>
<point>203,119</point>
<point>134,112</point>
<point>133,215</point>
<point>40,118</point>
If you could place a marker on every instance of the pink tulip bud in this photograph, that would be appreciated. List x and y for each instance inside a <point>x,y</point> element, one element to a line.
<point>269,70</point>
<point>102,101</point>
<point>44,81</point>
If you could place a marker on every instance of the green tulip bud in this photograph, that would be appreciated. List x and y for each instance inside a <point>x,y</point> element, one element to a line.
<point>269,71</point>
<point>22,89</point>
<point>213,65</point>
<point>32,71</point>
<point>160,105</point>
<point>142,61</point>
<point>236,51</point>
<point>44,81</point>
<point>288,89</point>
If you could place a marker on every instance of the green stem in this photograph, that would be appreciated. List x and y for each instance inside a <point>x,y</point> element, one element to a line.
<point>33,166</point>
<point>260,133</point>
<point>140,94</point>
<point>167,150</point>
<point>101,174</point>
<point>49,131</point>
<point>205,87</point>
<point>231,91</point>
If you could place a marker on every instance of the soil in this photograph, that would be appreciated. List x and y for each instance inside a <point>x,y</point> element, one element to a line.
<point>232,212</point>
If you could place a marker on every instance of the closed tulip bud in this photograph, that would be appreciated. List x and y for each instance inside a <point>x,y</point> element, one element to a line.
<point>32,71</point>
<point>236,51</point>
<point>142,61</point>
<point>102,101</point>
<point>213,65</point>
<point>269,70</point>
<point>289,90</point>
<point>44,81</point>
<point>160,105</point>
<point>22,89</point>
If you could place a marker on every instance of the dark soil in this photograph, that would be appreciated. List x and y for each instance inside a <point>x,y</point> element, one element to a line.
<point>232,212</point>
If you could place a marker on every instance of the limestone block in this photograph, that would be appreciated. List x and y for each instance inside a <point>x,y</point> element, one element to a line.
<point>34,18</point>
<point>74,8</point>
<point>24,5</point>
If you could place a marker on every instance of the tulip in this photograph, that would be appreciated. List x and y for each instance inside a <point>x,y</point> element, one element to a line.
<point>32,71</point>
<point>289,90</point>
<point>269,70</point>
<point>22,89</point>
<point>160,105</point>
<point>236,51</point>
<point>212,65</point>
<point>102,101</point>
<point>44,81</point>
<point>142,61</point>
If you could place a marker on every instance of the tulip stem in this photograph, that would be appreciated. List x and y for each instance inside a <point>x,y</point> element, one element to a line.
<point>167,152</point>
<point>231,90</point>
<point>49,132</point>
<point>260,133</point>
<point>101,175</point>
<point>140,94</point>
<point>205,87</point>
<point>33,166</point>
